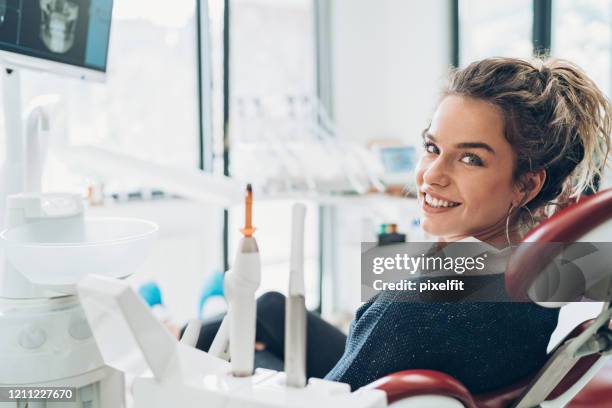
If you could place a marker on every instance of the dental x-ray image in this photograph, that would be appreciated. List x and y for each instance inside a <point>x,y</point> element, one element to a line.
<point>58,24</point>
<point>56,28</point>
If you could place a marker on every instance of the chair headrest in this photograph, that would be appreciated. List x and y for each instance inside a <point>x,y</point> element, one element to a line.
<point>583,221</point>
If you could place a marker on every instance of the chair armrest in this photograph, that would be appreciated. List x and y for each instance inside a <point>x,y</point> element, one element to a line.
<point>567,226</point>
<point>410,383</point>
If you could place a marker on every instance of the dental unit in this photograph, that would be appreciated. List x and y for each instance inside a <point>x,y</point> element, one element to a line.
<point>46,245</point>
<point>171,372</point>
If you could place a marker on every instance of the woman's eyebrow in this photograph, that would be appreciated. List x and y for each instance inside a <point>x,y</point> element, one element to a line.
<point>463,145</point>
<point>427,135</point>
<point>475,145</point>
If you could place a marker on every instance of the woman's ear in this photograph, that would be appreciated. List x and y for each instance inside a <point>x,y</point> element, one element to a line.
<point>531,185</point>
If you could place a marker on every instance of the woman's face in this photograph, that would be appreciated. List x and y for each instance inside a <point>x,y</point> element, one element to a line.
<point>464,177</point>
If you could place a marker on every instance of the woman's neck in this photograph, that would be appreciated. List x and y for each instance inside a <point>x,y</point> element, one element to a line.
<point>495,235</point>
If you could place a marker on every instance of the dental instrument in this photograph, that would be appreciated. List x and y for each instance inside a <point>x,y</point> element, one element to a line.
<point>172,373</point>
<point>295,313</point>
<point>192,332</point>
<point>220,345</point>
<point>241,282</point>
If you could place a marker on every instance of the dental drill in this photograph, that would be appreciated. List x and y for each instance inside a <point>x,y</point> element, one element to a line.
<point>241,282</point>
<point>295,313</point>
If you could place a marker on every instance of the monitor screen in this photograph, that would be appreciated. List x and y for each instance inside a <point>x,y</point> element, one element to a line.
<point>398,159</point>
<point>74,32</point>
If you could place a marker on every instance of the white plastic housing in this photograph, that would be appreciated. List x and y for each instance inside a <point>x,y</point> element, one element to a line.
<point>240,283</point>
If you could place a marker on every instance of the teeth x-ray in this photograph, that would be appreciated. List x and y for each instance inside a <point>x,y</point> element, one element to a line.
<point>74,32</point>
<point>58,24</point>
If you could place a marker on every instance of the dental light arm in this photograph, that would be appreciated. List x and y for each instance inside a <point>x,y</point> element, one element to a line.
<point>193,184</point>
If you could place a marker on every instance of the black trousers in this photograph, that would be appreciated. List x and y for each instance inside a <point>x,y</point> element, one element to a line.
<point>325,343</point>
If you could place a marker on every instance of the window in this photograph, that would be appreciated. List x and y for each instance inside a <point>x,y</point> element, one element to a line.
<point>493,28</point>
<point>148,108</point>
<point>272,47</point>
<point>582,33</point>
<point>272,63</point>
<point>216,13</point>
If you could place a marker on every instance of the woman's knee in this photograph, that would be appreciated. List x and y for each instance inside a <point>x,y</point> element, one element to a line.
<point>271,303</point>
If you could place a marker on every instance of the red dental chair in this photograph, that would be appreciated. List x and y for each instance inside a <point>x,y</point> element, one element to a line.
<point>578,373</point>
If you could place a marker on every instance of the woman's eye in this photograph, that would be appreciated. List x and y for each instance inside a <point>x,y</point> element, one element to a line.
<point>472,160</point>
<point>431,148</point>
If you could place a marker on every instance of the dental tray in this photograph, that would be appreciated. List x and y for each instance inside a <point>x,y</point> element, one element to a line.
<point>58,253</point>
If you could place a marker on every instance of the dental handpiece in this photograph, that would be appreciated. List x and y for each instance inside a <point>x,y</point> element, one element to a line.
<point>295,312</point>
<point>220,345</point>
<point>240,283</point>
<point>192,332</point>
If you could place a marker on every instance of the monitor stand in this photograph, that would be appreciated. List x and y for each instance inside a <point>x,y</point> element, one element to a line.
<point>13,173</point>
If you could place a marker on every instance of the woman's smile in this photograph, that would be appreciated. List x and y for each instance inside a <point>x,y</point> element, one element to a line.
<point>435,204</point>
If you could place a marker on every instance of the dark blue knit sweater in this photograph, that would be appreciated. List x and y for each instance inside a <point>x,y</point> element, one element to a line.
<point>484,345</point>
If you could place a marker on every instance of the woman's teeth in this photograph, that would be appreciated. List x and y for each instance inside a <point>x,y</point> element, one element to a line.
<point>436,203</point>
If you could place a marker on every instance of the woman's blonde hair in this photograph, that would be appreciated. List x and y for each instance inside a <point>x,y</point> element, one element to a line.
<point>556,118</point>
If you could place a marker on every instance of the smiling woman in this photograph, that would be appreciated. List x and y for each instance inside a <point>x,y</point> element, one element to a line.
<point>508,138</point>
<point>510,142</point>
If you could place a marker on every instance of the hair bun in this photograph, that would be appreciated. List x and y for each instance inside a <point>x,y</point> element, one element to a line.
<point>545,73</point>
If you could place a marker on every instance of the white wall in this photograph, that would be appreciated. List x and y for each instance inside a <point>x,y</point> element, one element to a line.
<point>390,58</point>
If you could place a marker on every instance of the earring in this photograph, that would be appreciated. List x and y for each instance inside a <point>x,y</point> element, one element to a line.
<point>507,224</point>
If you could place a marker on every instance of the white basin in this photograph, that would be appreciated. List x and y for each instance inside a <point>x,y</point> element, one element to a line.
<point>58,253</point>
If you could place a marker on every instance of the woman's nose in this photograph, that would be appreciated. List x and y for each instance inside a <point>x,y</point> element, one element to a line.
<point>437,172</point>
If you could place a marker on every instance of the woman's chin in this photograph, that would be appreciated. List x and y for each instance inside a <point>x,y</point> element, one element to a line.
<point>434,228</point>
<point>438,229</point>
